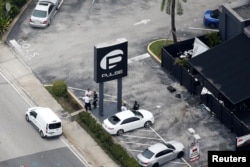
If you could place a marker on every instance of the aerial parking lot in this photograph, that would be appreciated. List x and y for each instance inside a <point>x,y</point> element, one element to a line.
<point>65,51</point>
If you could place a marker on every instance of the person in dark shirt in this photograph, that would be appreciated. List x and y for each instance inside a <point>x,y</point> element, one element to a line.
<point>136,106</point>
<point>95,99</point>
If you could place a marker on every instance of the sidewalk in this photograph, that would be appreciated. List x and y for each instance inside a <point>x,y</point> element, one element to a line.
<point>28,86</point>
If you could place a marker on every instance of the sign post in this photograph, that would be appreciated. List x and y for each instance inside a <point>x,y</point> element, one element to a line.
<point>110,63</point>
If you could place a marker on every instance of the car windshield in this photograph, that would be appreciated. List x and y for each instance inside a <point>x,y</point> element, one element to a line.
<point>40,13</point>
<point>215,14</point>
<point>55,125</point>
<point>138,114</point>
<point>147,153</point>
<point>114,119</point>
<point>170,146</point>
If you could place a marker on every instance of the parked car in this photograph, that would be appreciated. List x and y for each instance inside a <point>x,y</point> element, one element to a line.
<point>211,18</point>
<point>128,120</point>
<point>45,121</point>
<point>160,153</point>
<point>44,12</point>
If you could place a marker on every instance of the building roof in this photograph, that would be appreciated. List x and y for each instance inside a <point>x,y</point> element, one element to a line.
<point>227,68</point>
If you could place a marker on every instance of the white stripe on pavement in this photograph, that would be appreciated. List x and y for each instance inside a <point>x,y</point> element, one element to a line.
<point>137,58</point>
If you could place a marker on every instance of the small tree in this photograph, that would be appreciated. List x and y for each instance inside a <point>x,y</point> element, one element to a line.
<point>213,39</point>
<point>170,10</point>
<point>59,88</point>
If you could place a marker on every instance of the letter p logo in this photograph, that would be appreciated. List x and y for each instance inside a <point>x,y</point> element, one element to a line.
<point>111,59</point>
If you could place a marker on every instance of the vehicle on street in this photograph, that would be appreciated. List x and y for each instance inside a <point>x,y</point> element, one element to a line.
<point>44,12</point>
<point>45,120</point>
<point>160,153</point>
<point>211,18</point>
<point>128,120</point>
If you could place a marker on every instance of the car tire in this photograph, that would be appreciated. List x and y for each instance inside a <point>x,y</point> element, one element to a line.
<point>156,165</point>
<point>180,154</point>
<point>27,118</point>
<point>120,132</point>
<point>212,25</point>
<point>147,124</point>
<point>41,134</point>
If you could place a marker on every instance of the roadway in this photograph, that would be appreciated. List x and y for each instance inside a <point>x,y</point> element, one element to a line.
<point>20,143</point>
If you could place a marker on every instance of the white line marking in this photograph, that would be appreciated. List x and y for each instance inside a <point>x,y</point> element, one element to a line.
<point>135,143</point>
<point>186,162</point>
<point>157,134</point>
<point>137,58</point>
<point>135,150</point>
<point>142,22</point>
<point>17,47</point>
<point>205,29</point>
<point>142,137</point>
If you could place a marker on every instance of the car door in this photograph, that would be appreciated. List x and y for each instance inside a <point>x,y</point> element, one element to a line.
<point>51,12</point>
<point>32,118</point>
<point>164,156</point>
<point>130,123</point>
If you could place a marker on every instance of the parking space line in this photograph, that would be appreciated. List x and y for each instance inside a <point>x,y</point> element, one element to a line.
<point>142,137</point>
<point>136,143</point>
<point>135,150</point>
<point>157,134</point>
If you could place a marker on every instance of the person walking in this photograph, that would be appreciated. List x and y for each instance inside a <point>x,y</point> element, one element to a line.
<point>95,99</point>
<point>86,100</point>
<point>136,106</point>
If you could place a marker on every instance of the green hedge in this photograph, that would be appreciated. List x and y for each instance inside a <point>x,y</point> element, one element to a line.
<point>105,140</point>
<point>6,18</point>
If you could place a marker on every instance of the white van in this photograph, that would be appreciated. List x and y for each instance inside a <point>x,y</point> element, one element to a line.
<point>45,120</point>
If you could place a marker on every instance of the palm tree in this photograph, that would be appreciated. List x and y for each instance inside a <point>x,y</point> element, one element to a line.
<point>169,6</point>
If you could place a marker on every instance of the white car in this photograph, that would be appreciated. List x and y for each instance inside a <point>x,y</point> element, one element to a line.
<point>44,12</point>
<point>160,153</point>
<point>128,120</point>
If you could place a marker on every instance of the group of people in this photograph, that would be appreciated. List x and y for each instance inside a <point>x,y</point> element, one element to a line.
<point>135,107</point>
<point>88,99</point>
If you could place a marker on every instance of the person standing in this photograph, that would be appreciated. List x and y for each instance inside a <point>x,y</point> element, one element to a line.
<point>88,93</point>
<point>136,106</point>
<point>95,99</point>
<point>124,107</point>
<point>86,100</point>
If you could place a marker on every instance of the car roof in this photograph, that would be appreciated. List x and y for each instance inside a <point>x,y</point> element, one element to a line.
<point>47,114</point>
<point>42,5</point>
<point>125,114</point>
<point>157,147</point>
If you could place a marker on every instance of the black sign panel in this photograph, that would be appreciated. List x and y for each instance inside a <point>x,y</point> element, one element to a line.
<point>110,60</point>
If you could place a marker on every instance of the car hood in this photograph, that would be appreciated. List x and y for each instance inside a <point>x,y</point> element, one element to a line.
<point>107,123</point>
<point>141,158</point>
<point>178,146</point>
<point>146,114</point>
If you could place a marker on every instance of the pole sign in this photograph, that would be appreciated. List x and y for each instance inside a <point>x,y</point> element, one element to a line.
<point>194,151</point>
<point>110,60</point>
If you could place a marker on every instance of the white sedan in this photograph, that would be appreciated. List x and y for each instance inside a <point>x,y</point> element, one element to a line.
<point>44,12</point>
<point>128,120</point>
<point>160,153</point>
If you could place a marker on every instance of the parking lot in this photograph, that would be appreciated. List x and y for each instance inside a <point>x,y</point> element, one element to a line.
<point>64,50</point>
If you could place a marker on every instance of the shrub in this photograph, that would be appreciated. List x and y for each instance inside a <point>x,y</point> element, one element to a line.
<point>59,88</point>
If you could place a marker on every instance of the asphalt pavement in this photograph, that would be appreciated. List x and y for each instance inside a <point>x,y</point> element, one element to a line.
<point>29,87</point>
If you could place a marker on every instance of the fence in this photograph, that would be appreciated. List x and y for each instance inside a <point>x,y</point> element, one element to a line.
<point>223,113</point>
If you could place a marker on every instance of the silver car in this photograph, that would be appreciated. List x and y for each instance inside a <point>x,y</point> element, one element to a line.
<point>44,12</point>
<point>160,153</point>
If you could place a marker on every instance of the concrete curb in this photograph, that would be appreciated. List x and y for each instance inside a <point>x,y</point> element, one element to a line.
<point>151,53</point>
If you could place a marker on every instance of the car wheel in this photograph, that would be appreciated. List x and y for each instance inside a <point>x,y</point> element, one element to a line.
<point>213,26</point>
<point>120,132</point>
<point>27,118</point>
<point>180,154</point>
<point>41,134</point>
<point>156,165</point>
<point>147,124</point>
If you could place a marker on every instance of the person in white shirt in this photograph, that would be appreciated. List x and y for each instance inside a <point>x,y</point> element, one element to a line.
<point>86,100</point>
<point>124,108</point>
<point>88,93</point>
